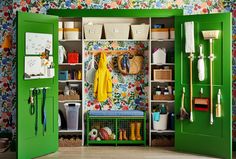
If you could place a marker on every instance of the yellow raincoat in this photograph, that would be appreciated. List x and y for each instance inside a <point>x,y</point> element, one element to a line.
<point>102,80</point>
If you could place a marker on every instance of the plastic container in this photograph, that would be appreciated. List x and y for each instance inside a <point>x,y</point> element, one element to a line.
<point>93,31</point>
<point>71,33</point>
<point>161,124</point>
<point>160,33</point>
<point>72,115</point>
<point>117,30</point>
<point>60,33</point>
<point>140,32</point>
<point>172,33</point>
<point>63,75</point>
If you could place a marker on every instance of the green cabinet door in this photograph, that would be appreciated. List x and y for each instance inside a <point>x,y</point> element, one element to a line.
<point>199,136</point>
<point>29,143</point>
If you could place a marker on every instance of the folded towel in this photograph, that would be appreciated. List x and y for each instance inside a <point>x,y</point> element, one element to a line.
<point>189,37</point>
<point>156,116</point>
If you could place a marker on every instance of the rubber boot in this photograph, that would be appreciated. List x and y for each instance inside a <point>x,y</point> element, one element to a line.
<point>137,132</point>
<point>132,130</point>
<point>120,135</point>
<point>124,135</point>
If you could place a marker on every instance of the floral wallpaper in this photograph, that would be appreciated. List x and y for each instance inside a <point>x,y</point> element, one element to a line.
<point>8,10</point>
<point>129,91</point>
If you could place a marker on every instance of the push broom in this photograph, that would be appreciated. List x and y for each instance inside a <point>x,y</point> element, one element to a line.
<point>211,35</point>
<point>190,48</point>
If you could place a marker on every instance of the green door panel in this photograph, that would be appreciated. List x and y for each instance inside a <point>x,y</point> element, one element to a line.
<point>199,136</point>
<point>30,145</point>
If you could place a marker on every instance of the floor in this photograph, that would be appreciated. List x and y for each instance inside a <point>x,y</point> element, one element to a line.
<point>121,152</point>
<point>110,152</point>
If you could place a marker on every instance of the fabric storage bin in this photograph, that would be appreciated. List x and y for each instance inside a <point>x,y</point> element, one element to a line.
<point>69,24</point>
<point>73,57</point>
<point>71,33</point>
<point>117,30</point>
<point>161,124</point>
<point>72,115</point>
<point>159,56</point>
<point>172,33</point>
<point>160,33</point>
<point>162,74</point>
<point>139,32</point>
<point>93,31</point>
<point>63,75</point>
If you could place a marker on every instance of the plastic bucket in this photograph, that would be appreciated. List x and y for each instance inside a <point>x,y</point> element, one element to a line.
<point>161,124</point>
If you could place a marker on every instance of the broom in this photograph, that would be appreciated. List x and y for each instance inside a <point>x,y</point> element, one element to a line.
<point>211,35</point>
<point>190,48</point>
<point>183,113</point>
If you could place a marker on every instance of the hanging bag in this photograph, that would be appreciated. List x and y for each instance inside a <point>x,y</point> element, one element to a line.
<point>130,64</point>
<point>90,73</point>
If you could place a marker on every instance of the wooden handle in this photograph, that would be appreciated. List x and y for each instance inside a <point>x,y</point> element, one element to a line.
<point>191,86</point>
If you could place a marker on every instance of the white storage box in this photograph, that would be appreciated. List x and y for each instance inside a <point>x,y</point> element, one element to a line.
<point>71,33</point>
<point>160,33</point>
<point>60,34</point>
<point>161,124</point>
<point>117,30</point>
<point>139,32</point>
<point>93,31</point>
<point>72,115</point>
<point>60,25</point>
<point>159,56</point>
<point>69,24</point>
<point>172,33</point>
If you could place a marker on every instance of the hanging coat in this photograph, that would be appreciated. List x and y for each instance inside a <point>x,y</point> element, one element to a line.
<point>102,80</point>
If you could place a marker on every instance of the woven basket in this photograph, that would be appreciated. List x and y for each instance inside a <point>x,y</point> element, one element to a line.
<point>136,64</point>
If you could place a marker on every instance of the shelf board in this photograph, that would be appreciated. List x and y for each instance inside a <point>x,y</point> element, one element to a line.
<point>165,64</point>
<point>70,40</point>
<point>70,131</point>
<point>162,81</point>
<point>163,101</point>
<point>162,131</point>
<point>116,40</point>
<point>163,40</point>
<point>70,64</point>
<point>64,101</point>
<point>63,81</point>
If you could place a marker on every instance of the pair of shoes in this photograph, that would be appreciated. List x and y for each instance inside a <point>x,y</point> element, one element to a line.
<point>135,131</point>
<point>122,134</point>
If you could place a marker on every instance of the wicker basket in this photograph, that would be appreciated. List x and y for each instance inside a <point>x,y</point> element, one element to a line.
<point>70,142</point>
<point>162,74</point>
<point>136,64</point>
<point>163,97</point>
<point>70,97</point>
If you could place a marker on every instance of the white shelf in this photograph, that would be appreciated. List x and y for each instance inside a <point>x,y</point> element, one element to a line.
<point>116,40</point>
<point>162,81</point>
<point>70,40</point>
<point>162,131</point>
<point>165,64</point>
<point>163,40</point>
<point>70,64</point>
<point>64,81</point>
<point>64,101</point>
<point>70,131</point>
<point>163,101</point>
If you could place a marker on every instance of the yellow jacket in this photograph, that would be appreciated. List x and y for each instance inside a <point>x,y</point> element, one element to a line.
<point>102,80</point>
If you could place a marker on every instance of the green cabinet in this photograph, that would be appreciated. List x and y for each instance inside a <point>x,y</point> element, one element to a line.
<point>32,140</point>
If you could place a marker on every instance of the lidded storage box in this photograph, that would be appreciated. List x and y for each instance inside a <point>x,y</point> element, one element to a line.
<point>160,33</point>
<point>71,33</point>
<point>117,30</point>
<point>140,32</point>
<point>172,33</point>
<point>72,115</point>
<point>93,31</point>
